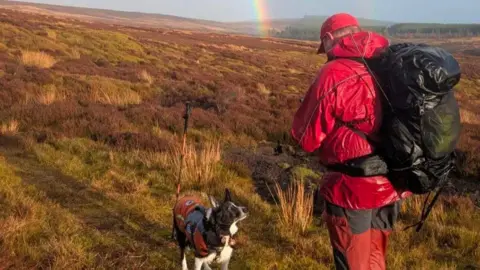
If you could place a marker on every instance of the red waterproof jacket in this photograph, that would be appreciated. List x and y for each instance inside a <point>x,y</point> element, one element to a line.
<point>344,91</point>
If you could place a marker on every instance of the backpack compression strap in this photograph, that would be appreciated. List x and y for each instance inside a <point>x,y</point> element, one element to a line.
<point>426,210</point>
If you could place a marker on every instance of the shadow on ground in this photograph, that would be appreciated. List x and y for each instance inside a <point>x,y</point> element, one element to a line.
<point>87,204</point>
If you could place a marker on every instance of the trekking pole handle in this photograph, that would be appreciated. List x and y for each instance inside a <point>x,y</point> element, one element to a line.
<point>186,116</point>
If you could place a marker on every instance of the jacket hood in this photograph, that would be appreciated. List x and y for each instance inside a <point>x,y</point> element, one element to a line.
<point>362,44</point>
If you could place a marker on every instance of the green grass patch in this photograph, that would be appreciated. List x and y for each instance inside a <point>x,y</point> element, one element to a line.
<point>101,44</point>
<point>19,38</point>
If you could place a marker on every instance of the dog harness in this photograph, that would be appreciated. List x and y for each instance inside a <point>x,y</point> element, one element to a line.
<point>189,215</point>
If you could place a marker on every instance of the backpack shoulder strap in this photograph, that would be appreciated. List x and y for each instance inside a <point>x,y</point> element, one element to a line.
<point>356,59</point>
<point>351,126</point>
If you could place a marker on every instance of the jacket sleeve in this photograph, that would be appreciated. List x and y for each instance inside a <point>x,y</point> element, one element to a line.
<point>315,118</point>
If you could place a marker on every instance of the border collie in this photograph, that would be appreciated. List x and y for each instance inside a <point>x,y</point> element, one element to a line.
<point>208,231</point>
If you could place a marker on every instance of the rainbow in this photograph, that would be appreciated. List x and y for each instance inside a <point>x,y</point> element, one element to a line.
<point>261,13</point>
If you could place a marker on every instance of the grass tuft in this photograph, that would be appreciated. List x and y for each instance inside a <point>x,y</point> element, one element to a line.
<point>296,207</point>
<point>262,89</point>
<point>112,92</point>
<point>52,34</point>
<point>37,59</point>
<point>146,77</point>
<point>200,166</point>
<point>49,95</point>
<point>75,54</point>
<point>9,128</point>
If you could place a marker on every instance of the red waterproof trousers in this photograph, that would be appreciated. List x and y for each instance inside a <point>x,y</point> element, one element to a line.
<point>359,237</point>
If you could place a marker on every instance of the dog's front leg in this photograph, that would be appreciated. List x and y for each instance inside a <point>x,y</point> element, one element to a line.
<point>206,266</point>
<point>225,264</point>
<point>184,261</point>
<point>198,263</point>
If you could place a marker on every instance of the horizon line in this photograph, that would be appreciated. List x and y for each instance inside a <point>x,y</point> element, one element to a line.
<point>248,20</point>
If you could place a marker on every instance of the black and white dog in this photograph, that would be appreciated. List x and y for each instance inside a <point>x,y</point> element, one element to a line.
<point>208,231</point>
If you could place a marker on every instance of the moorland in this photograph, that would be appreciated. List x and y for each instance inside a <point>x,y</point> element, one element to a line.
<point>91,121</point>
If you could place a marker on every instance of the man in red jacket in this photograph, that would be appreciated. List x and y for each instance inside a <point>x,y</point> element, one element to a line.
<point>359,211</point>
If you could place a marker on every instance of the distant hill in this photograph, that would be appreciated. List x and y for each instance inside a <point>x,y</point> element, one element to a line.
<point>117,17</point>
<point>307,31</point>
<point>317,21</point>
<point>144,19</point>
<point>306,28</point>
<point>307,22</point>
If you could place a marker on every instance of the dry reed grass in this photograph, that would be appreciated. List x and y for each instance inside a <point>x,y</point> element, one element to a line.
<point>145,76</point>
<point>52,34</point>
<point>44,98</point>
<point>118,98</point>
<point>49,95</point>
<point>262,89</point>
<point>75,54</point>
<point>296,207</point>
<point>37,59</point>
<point>200,165</point>
<point>9,128</point>
<point>48,98</point>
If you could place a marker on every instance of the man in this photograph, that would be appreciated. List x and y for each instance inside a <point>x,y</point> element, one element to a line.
<point>341,107</point>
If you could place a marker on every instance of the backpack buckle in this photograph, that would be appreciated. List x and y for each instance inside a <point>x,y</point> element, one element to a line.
<point>421,107</point>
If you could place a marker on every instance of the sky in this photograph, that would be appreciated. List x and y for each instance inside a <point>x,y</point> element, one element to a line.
<point>440,11</point>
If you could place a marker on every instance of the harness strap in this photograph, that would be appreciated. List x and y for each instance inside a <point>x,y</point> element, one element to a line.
<point>199,244</point>
<point>203,241</point>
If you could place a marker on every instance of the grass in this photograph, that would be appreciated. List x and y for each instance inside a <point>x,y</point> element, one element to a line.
<point>106,96</point>
<point>113,92</point>
<point>199,166</point>
<point>9,128</point>
<point>37,59</point>
<point>296,207</point>
<point>49,94</point>
<point>469,117</point>
<point>3,47</point>
<point>262,89</point>
<point>89,150</point>
<point>36,230</point>
<point>146,77</point>
<point>51,34</point>
<point>447,240</point>
<point>126,197</point>
<point>75,54</point>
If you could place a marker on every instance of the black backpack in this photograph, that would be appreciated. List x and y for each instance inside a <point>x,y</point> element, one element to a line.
<point>421,125</point>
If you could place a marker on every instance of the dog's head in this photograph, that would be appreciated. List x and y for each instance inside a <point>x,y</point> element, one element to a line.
<point>226,215</point>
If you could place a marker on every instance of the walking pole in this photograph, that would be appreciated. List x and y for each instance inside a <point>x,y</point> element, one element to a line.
<point>186,117</point>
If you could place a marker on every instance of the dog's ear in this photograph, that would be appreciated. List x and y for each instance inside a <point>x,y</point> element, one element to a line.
<point>228,195</point>
<point>213,201</point>
<point>208,213</point>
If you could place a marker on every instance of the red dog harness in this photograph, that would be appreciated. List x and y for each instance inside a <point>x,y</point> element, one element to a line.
<point>189,215</point>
